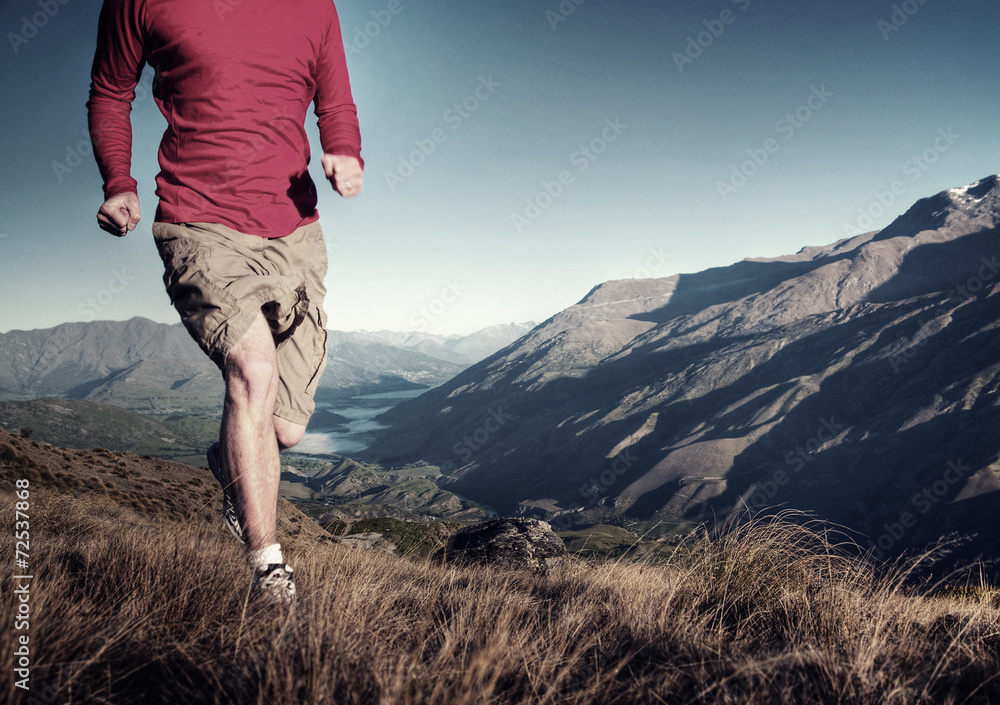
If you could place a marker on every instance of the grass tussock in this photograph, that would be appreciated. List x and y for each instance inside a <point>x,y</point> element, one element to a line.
<point>768,612</point>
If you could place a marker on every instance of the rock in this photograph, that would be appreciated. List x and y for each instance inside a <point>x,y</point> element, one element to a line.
<point>516,543</point>
<point>368,540</point>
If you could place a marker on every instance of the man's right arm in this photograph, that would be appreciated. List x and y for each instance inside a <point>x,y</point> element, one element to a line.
<point>337,114</point>
<point>117,68</point>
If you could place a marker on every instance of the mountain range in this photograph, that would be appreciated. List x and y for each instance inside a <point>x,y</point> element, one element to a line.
<point>460,349</point>
<point>156,368</point>
<point>857,381</point>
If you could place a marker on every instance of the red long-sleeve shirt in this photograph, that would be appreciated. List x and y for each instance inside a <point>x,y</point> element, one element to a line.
<point>234,79</point>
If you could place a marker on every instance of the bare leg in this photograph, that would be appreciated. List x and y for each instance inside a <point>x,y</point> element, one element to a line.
<point>251,435</point>
<point>248,442</point>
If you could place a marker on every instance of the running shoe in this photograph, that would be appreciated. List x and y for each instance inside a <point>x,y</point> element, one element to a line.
<point>274,584</point>
<point>229,512</point>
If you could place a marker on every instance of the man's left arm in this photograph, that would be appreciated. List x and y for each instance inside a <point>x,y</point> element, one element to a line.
<point>337,114</point>
<point>117,66</point>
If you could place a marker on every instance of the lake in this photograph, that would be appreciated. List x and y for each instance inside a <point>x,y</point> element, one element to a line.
<point>354,436</point>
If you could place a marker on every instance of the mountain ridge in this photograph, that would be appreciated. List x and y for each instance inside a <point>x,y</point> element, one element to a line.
<point>156,368</point>
<point>460,349</point>
<point>680,398</point>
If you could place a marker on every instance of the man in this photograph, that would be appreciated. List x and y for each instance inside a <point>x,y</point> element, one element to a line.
<point>236,225</point>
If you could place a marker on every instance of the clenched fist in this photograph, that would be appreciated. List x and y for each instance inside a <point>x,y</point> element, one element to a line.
<point>119,214</point>
<point>345,173</point>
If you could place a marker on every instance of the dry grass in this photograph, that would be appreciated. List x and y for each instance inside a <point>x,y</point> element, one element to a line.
<point>146,605</point>
<point>764,613</point>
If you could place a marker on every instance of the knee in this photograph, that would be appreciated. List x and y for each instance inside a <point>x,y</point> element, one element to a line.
<point>250,379</point>
<point>288,434</point>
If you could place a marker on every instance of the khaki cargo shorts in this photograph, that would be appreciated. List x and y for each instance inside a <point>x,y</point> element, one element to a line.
<point>219,279</point>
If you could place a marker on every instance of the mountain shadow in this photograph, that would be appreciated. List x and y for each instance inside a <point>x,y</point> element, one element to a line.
<point>841,380</point>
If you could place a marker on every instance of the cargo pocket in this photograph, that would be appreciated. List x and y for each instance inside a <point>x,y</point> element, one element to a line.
<point>204,307</point>
<point>319,355</point>
<point>285,313</point>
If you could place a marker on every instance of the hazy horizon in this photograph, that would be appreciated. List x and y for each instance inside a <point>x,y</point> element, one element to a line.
<point>518,156</point>
<point>359,330</point>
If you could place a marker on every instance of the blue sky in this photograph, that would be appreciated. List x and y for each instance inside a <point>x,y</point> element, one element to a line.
<point>519,153</point>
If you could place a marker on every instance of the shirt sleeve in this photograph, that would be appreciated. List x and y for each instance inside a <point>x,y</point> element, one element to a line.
<point>115,73</point>
<point>335,109</point>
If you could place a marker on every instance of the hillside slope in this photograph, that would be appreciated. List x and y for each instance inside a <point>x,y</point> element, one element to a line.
<point>73,423</point>
<point>137,595</point>
<point>858,381</point>
<point>119,489</point>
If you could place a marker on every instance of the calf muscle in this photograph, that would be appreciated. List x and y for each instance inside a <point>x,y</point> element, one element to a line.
<point>248,440</point>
